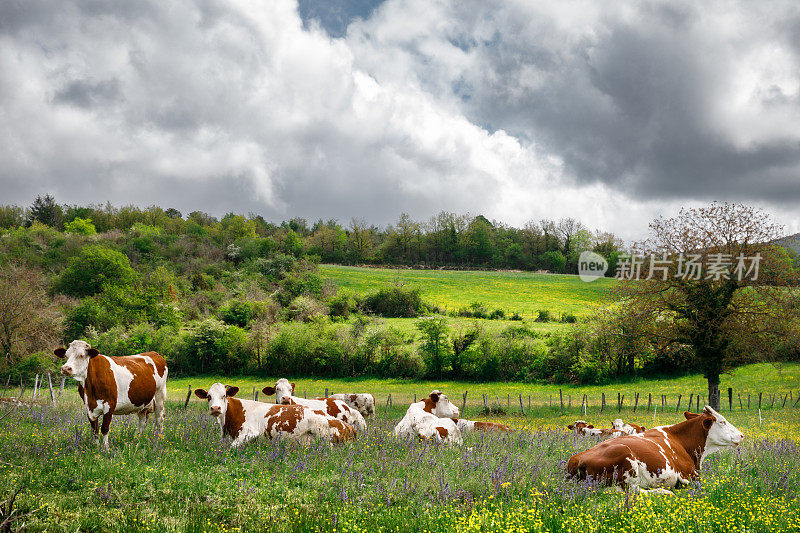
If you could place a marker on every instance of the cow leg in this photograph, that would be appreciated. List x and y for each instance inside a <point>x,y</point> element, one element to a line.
<point>95,425</point>
<point>104,429</point>
<point>142,420</point>
<point>158,402</point>
<point>243,437</point>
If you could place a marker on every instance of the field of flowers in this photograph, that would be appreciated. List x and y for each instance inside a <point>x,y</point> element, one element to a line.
<point>189,480</point>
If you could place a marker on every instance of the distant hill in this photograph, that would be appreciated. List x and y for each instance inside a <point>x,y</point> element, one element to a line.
<point>792,242</point>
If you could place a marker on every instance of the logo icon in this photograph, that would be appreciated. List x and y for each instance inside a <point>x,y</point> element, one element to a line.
<point>591,266</point>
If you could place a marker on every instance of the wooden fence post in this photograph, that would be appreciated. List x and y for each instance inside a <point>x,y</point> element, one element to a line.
<point>6,386</point>
<point>50,387</point>
<point>188,397</point>
<point>677,407</point>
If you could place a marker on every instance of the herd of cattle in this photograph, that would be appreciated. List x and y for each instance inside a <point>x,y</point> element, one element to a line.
<point>634,458</point>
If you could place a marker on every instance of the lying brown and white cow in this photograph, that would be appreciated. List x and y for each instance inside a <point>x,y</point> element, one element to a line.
<point>431,419</point>
<point>133,384</point>
<point>618,428</point>
<point>364,403</point>
<point>243,420</point>
<point>661,458</point>
<point>283,391</point>
<point>467,426</point>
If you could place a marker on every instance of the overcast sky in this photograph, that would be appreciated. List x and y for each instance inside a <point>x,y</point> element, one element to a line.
<point>610,112</point>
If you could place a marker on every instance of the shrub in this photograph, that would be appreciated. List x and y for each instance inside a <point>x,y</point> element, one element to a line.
<point>568,318</point>
<point>80,226</point>
<point>94,267</point>
<point>305,309</point>
<point>542,316</point>
<point>212,346</point>
<point>435,347</point>
<point>342,305</point>
<point>237,313</point>
<point>395,302</point>
<point>497,314</point>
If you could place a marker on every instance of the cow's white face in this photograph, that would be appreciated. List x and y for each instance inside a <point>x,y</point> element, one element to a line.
<point>443,407</point>
<point>77,355</point>
<point>217,396</point>
<point>721,433</point>
<point>282,390</point>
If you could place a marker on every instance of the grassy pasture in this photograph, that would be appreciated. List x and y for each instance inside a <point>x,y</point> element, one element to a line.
<point>524,292</point>
<point>189,480</point>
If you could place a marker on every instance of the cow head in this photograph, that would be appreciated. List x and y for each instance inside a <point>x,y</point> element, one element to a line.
<point>579,425</point>
<point>282,390</point>
<point>77,355</point>
<point>721,433</point>
<point>217,396</point>
<point>440,405</point>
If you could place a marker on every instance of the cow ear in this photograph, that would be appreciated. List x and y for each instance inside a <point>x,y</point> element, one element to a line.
<point>231,390</point>
<point>292,388</point>
<point>201,393</point>
<point>92,352</point>
<point>269,391</point>
<point>435,397</point>
<point>689,415</point>
<point>708,422</point>
<point>60,352</point>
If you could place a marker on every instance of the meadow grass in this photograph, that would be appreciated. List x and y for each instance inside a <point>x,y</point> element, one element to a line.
<point>189,480</point>
<point>523,292</point>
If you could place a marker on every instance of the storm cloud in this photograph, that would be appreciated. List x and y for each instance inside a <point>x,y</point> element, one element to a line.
<point>612,113</point>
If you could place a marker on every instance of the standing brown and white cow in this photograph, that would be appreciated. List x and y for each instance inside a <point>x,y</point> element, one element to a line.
<point>661,458</point>
<point>133,384</point>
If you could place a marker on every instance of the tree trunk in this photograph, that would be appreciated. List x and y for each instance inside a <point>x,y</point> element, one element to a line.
<point>713,391</point>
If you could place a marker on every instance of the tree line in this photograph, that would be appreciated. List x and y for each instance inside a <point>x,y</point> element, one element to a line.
<point>445,240</point>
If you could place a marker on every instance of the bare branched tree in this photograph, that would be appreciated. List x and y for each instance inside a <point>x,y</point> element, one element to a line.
<point>719,311</point>
<point>29,321</point>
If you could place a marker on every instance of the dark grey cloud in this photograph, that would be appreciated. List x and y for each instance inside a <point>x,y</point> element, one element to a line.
<point>613,113</point>
<point>631,95</point>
